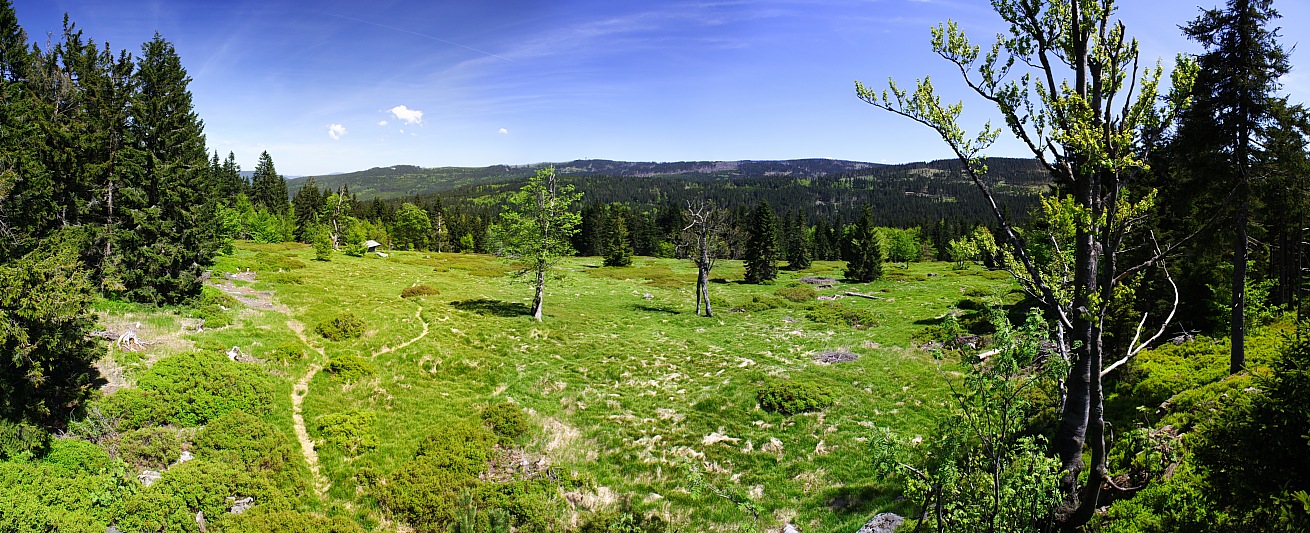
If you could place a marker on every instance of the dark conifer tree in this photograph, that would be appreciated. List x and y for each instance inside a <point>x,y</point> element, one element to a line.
<point>267,188</point>
<point>762,246</point>
<point>618,244</point>
<point>798,243</point>
<point>308,207</point>
<point>863,249</point>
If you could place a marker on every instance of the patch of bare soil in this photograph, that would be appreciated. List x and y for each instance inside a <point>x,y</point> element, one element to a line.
<point>262,300</point>
<point>511,464</point>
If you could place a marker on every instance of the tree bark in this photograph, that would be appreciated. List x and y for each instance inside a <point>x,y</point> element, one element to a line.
<point>537,299</point>
<point>1237,356</point>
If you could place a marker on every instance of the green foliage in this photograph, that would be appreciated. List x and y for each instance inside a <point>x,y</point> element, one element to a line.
<point>210,307</point>
<point>200,485</point>
<point>257,520</point>
<point>189,390</point>
<point>863,248</point>
<point>22,441</point>
<point>794,397</point>
<point>762,302</point>
<point>287,352</point>
<point>1253,454</point>
<point>349,367</point>
<point>241,439</point>
<point>150,447</point>
<point>268,189</point>
<point>838,313</point>
<point>54,497</point>
<point>351,431</point>
<point>412,227</point>
<point>77,456</point>
<point>762,247</point>
<point>618,244</point>
<point>506,420</point>
<point>322,246</point>
<point>425,490</point>
<point>419,290</point>
<point>45,326</point>
<point>536,227</point>
<point>982,471</point>
<point>798,293</point>
<point>341,327</point>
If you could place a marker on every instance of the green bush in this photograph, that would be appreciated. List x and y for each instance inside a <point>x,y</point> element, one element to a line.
<point>286,352</point>
<point>506,420</point>
<point>349,367</point>
<point>350,431</point>
<point>797,293</point>
<point>341,327</point>
<point>322,246</point>
<point>189,390</point>
<point>793,397</point>
<point>213,307</point>
<point>760,302</point>
<point>841,314</point>
<point>200,485</point>
<point>151,447</point>
<point>425,490</point>
<point>267,262</point>
<point>419,290</point>
<point>77,456</point>
<point>243,439</point>
<point>22,441</point>
<point>256,520</point>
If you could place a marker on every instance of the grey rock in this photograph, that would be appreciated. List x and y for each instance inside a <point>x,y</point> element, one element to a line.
<point>149,477</point>
<point>883,523</point>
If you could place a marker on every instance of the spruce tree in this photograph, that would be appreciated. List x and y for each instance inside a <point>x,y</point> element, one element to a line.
<point>267,188</point>
<point>798,243</point>
<point>308,206</point>
<point>177,232</point>
<point>863,249</point>
<point>618,245</point>
<point>762,247</point>
<point>1228,125</point>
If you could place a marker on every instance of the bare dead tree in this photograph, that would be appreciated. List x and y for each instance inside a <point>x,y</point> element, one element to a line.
<point>703,241</point>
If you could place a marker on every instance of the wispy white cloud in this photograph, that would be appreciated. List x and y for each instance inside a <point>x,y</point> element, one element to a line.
<point>503,131</point>
<point>407,115</point>
<point>336,131</point>
<point>382,122</point>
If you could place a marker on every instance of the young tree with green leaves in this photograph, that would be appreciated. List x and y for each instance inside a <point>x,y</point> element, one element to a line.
<point>536,228</point>
<point>1067,80</point>
<point>307,207</point>
<point>762,246</point>
<point>863,249</point>
<point>412,227</point>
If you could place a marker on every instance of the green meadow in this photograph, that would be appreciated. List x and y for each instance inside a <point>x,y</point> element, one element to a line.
<point>630,395</point>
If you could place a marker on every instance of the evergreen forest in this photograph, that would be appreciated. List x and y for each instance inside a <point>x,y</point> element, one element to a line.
<point>1108,334</point>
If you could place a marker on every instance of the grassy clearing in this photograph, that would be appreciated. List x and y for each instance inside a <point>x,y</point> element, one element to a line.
<point>624,385</point>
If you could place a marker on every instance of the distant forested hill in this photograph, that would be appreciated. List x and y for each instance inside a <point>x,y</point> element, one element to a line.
<point>902,195</point>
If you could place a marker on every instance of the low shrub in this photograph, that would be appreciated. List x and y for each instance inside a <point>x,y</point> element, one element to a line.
<point>792,397</point>
<point>419,290</point>
<point>189,390</point>
<point>77,456</point>
<point>624,519</point>
<point>286,352</point>
<point>283,278</point>
<point>349,367</point>
<point>842,314</point>
<point>151,447</point>
<point>506,420</point>
<point>213,307</point>
<point>247,440</point>
<point>759,302</point>
<point>797,293</point>
<point>425,491</point>
<point>350,431</point>
<point>341,327</point>
<point>257,520</point>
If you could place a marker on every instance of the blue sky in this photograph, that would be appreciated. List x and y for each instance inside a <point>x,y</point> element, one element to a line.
<point>336,86</point>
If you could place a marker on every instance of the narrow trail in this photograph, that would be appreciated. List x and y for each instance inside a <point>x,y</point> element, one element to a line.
<point>419,316</point>
<point>298,393</point>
